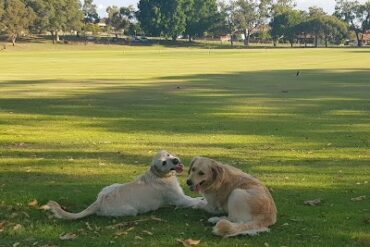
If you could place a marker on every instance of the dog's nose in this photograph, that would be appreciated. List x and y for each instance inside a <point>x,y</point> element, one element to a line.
<point>175,161</point>
<point>189,182</point>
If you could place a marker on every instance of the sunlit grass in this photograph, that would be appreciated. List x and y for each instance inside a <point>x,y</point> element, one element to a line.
<point>74,119</point>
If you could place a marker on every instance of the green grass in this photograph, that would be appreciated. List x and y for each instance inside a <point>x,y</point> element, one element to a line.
<point>74,119</point>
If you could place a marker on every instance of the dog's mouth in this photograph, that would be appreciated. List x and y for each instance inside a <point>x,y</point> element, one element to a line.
<point>179,168</point>
<point>196,188</point>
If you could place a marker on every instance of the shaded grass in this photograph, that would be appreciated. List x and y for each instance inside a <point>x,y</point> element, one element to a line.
<point>75,119</point>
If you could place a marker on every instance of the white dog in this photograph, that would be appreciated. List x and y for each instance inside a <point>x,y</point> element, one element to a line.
<point>156,188</point>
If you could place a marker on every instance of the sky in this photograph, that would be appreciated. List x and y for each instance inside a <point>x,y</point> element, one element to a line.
<point>327,5</point>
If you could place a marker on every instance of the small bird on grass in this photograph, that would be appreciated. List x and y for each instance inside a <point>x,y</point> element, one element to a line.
<point>298,73</point>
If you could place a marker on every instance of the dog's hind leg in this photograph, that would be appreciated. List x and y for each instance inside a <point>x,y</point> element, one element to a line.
<point>122,210</point>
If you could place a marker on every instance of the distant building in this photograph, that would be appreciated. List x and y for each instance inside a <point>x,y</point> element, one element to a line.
<point>103,23</point>
<point>366,38</point>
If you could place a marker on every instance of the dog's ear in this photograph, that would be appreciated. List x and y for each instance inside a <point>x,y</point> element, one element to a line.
<point>217,173</point>
<point>192,163</point>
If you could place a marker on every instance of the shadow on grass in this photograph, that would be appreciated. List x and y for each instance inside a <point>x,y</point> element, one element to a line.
<point>265,103</point>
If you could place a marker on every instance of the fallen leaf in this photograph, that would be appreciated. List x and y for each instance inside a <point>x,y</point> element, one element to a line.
<point>13,215</point>
<point>2,225</point>
<point>88,226</point>
<point>25,214</point>
<point>313,203</point>
<point>130,229</point>
<point>148,232</point>
<point>138,238</point>
<point>157,219</point>
<point>360,198</point>
<point>33,204</point>
<point>68,236</point>
<point>122,233</point>
<point>18,228</point>
<point>188,242</point>
<point>45,207</point>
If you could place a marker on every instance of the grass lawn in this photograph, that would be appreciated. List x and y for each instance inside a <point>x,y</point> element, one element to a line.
<point>74,119</point>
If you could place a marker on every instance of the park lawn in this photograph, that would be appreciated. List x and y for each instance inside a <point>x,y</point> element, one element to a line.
<point>74,119</point>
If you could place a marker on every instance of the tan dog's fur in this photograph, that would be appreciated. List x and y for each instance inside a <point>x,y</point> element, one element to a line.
<point>248,203</point>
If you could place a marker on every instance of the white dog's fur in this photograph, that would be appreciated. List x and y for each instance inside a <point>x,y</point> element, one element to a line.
<point>156,188</point>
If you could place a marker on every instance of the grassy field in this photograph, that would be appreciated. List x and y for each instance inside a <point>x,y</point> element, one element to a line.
<point>74,119</point>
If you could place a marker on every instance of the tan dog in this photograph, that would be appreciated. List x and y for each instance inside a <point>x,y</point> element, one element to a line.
<point>248,203</point>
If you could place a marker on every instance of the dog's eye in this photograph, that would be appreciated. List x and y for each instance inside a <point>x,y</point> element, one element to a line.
<point>164,163</point>
<point>201,173</point>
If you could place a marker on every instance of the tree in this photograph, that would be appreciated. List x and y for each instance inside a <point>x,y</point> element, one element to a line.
<point>201,15</point>
<point>120,19</point>
<point>63,15</point>
<point>281,6</point>
<point>74,15</point>
<point>90,12</point>
<point>333,29</point>
<point>315,24</point>
<point>324,26</point>
<point>149,16</point>
<point>1,10</point>
<point>40,7</point>
<point>16,18</point>
<point>355,15</point>
<point>250,15</point>
<point>228,12</point>
<point>284,25</point>
<point>163,17</point>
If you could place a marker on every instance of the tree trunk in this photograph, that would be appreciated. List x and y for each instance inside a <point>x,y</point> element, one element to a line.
<point>291,43</point>
<point>57,36</point>
<point>275,42</point>
<point>359,41</point>
<point>326,41</point>
<point>190,38</point>
<point>305,40</point>
<point>316,41</point>
<point>231,39</point>
<point>14,38</point>
<point>174,37</point>
<point>246,37</point>
<point>52,36</point>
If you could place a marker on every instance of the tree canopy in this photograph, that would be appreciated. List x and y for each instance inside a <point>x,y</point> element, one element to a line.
<point>201,16</point>
<point>16,18</point>
<point>356,15</point>
<point>163,17</point>
<point>237,19</point>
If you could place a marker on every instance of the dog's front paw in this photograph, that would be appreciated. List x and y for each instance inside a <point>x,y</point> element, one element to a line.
<point>201,203</point>
<point>214,220</point>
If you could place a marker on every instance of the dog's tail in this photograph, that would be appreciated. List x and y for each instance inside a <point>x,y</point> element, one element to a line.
<point>61,214</point>
<point>225,228</point>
